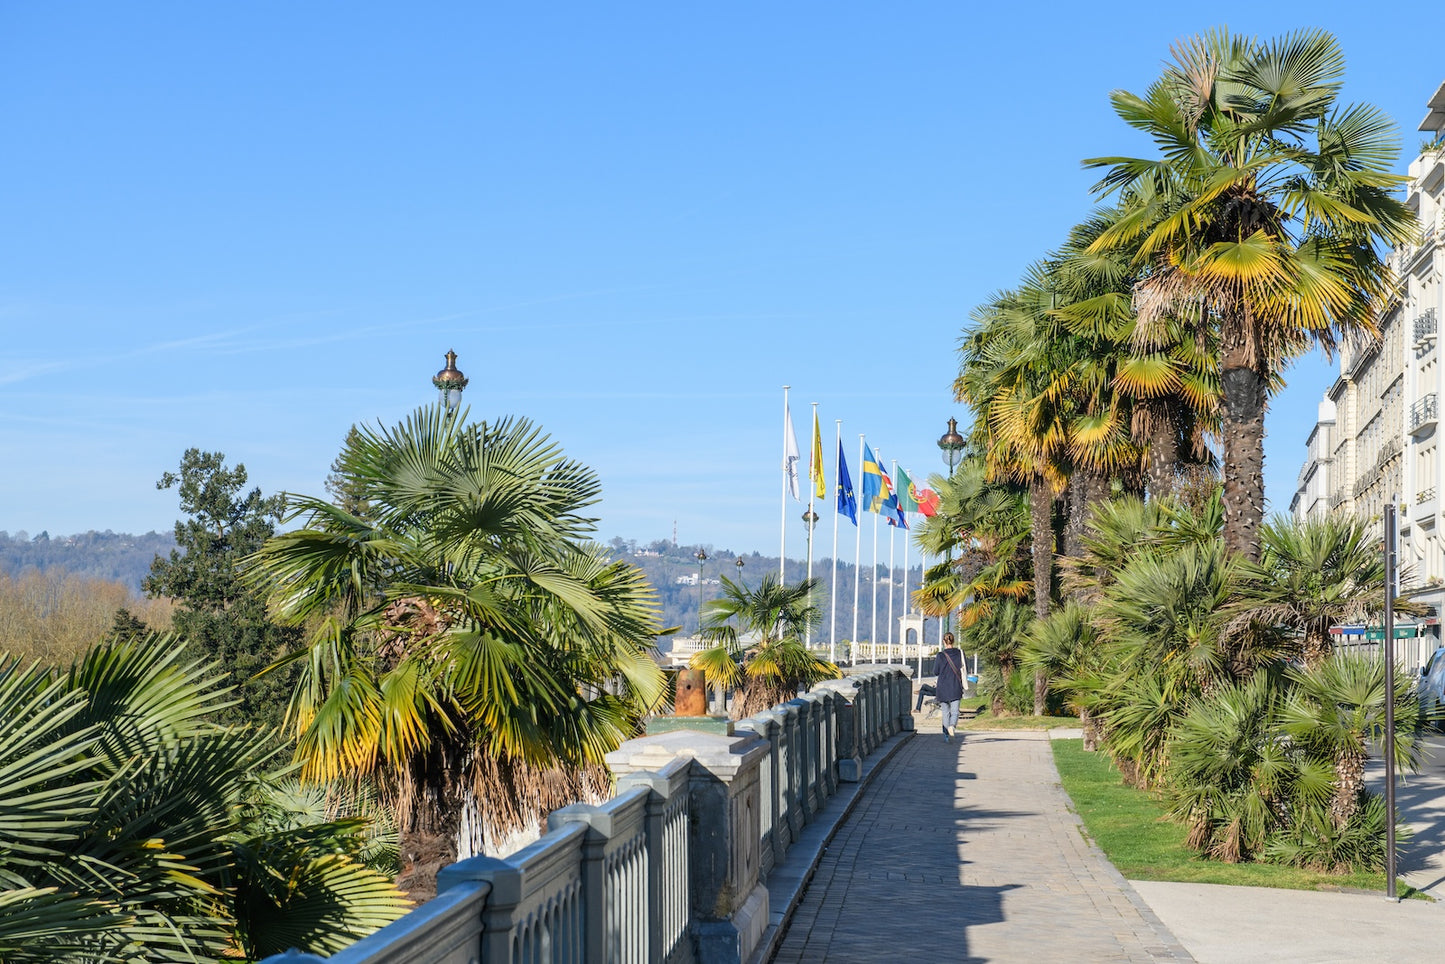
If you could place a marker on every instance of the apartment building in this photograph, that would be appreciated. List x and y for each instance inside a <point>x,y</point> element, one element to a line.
<point>1382,443</point>
<point>1313,490</point>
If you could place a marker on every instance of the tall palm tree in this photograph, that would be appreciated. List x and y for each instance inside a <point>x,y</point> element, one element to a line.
<point>757,635</point>
<point>1260,218</point>
<point>471,647</point>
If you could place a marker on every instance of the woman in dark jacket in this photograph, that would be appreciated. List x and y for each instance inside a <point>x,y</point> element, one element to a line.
<point>948,667</point>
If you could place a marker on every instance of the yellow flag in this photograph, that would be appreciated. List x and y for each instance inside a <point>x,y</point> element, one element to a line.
<point>815,468</point>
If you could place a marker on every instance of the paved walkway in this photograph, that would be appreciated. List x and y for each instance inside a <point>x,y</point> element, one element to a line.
<point>968,852</point>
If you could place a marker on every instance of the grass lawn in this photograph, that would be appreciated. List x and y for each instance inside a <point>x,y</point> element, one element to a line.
<point>987,721</point>
<point>1130,827</point>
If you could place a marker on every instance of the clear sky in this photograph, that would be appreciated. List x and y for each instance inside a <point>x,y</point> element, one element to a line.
<point>244,227</point>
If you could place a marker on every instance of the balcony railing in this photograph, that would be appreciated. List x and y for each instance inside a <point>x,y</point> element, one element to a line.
<point>1424,413</point>
<point>1425,495</point>
<point>1388,451</point>
<point>1426,326</point>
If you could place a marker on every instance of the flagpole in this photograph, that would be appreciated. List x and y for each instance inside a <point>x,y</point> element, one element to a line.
<point>813,457</point>
<point>857,554</point>
<point>873,629</point>
<point>833,593</point>
<point>893,626</point>
<point>783,515</point>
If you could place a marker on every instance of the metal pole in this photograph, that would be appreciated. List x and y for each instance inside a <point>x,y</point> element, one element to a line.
<point>857,559</point>
<point>783,518</point>
<point>1390,524</point>
<point>833,592</point>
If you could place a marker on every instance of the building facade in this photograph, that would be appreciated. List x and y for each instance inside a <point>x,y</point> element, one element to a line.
<point>1383,443</point>
<point>1314,488</point>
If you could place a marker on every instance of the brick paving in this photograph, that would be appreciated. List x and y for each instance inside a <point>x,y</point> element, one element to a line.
<point>968,851</point>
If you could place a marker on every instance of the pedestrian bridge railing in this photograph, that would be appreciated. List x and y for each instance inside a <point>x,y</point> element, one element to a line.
<point>672,868</point>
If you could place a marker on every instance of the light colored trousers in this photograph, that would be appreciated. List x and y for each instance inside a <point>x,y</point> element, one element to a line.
<point>950,714</point>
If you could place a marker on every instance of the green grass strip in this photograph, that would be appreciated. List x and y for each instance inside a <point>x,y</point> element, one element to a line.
<point>1131,828</point>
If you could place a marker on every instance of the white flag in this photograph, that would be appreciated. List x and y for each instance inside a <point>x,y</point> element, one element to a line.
<point>790,454</point>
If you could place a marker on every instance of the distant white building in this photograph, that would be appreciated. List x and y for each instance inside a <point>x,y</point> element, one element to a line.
<point>1383,443</point>
<point>688,580</point>
<point>1312,491</point>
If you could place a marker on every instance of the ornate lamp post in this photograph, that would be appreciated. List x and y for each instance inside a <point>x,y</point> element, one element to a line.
<point>810,519</point>
<point>951,445</point>
<point>739,564</point>
<point>701,557</point>
<point>450,381</point>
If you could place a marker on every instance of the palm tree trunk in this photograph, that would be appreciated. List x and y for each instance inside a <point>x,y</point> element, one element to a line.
<point>429,818</point>
<point>1349,782</point>
<point>1090,723</point>
<point>1086,489</point>
<point>1242,438</point>
<point>1041,510</point>
<point>1162,438</point>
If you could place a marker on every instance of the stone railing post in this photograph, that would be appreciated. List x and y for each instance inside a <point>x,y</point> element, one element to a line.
<point>729,902</point>
<point>867,713</point>
<point>789,770</point>
<point>817,747</point>
<point>774,849</point>
<point>831,701</point>
<point>849,718</point>
<point>903,699</point>
<point>806,751</point>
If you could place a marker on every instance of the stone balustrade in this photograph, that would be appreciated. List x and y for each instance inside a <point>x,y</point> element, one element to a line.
<point>671,869</point>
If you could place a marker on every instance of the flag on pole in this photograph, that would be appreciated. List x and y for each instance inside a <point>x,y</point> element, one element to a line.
<point>927,502</point>
<point>847,501</point>
<point>913,499</point>
<point>892,508</point>
<point>815,467</point>
<point>790,454</point>
<point>877,487</point>
<point>907,498</point>
<point>872,481</point>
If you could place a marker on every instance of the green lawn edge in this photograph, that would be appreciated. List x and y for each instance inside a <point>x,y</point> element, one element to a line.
<point>1131,828</point>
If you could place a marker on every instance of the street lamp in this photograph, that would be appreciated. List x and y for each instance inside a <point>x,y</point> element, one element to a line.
<point>701,557</point>
<point>951,445</point>
<point>810,519</point>
<point>450,381</point>
<point>739,564</point>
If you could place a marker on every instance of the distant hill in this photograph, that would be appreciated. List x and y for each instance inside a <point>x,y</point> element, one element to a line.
<point>672,569</point>
<point>115,556</point>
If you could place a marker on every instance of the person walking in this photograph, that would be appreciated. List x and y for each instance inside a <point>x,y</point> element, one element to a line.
<point>948,667</point>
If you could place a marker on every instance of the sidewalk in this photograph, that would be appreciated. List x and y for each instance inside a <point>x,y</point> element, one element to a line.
<point>967,851</point>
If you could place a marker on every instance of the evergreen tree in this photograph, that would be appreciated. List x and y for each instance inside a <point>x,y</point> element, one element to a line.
<point>220,618</point>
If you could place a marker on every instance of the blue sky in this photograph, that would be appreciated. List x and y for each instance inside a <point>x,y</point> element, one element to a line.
<point>245,227</point>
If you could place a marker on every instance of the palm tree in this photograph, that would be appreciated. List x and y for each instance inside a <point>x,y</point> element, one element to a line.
<point>1162,376</point>
<point>1259,219</point>
<point>980,531</point>
<point>757,636</point>
<point>1313,575</point>
<point>138,829</point>
<point>471,648</point>
<point>1336,710</point>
